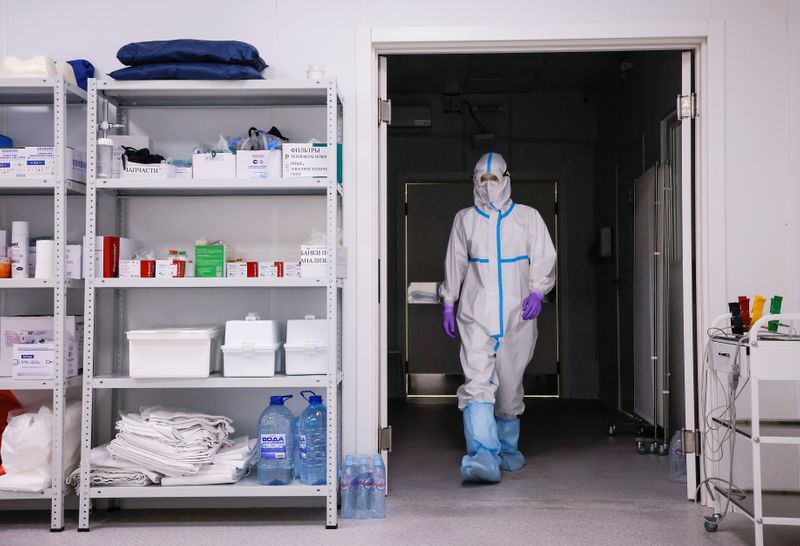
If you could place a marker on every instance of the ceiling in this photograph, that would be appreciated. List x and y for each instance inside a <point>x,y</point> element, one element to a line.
<point>501,73</point>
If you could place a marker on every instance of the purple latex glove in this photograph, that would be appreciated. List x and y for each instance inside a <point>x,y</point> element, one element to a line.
<point>532,305</point>
<point>449,321</point>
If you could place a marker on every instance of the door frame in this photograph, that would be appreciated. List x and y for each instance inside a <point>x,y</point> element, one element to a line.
<point>520,177</point>
<point>705,38</point>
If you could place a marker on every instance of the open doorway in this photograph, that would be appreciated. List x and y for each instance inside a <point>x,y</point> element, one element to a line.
<point>593,142</point>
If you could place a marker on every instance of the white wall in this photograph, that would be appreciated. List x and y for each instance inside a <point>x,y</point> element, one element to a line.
<point>761,204</point>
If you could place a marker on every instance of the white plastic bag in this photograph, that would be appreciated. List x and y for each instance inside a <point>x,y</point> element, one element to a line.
<point>27,451</point>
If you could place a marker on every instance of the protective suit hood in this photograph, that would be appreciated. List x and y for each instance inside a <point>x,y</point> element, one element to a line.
<point>487,194</point>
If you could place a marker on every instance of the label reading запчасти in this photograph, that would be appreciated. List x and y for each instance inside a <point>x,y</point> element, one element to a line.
<point>273,446</point>
<point>303,447</point>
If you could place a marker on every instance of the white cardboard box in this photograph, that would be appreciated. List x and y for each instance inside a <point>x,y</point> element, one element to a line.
<point>236,269</point>
<point>306,160</point>
<point>40,161</point>
<point>37,360</point>
<point>21,330</point>
<point>131,141</point>
<point>12,162</point>
<point>314,261</point>
<point>130,269</point>
<point>258,164</point>
<point>145,170</point>
<point>166,269</point>
<point>220,165</point>
<point>74,262</point>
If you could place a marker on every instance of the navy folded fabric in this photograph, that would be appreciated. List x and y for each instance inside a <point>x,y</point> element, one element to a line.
<point>191,51</point>
<point>187,71</point>
<point>83,71</point>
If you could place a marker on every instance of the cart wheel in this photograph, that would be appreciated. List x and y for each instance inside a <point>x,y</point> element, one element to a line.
<point>663,449</point>
<point>641,447</point>
<point>653,447</point>
<point>612,429</point>
<point>710,527</point>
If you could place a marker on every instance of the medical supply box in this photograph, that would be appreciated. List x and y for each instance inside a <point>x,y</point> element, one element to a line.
<point>214,165</point>
<point>314,261</point>
<point>34,329</point>
<point>310,160</point>
<point>37,360</point>
<point>252,347</point>
<point>258,164</point>
<point>306,346</point>
<point>173,352</point>
<point>210,260</point>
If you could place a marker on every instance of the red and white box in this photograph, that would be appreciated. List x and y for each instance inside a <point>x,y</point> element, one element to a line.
<point>108,251</point>
<point>272,270</point>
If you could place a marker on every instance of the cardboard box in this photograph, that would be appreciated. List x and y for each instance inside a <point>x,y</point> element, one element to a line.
<point>258,164</point>
<point>13,162</point>
<point>145,170</point>
<point>222,165</point>
<point>314,261</point>
<point>130,269</point>
<point>108,251</point>
<point>210,260</point>
<point>179,172</point>
<point>270,269</point>
<point>236,269</point>
<point>40,161</point>
<point>166,269</point>
<point>33,329</point>
<point>291,270</point>
<point>37,360</point>
<point>305,160</point>
<point>131,141</point>
<point>73,263</point>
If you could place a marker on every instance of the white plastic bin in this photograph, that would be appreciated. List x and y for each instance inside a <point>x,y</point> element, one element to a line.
<point>251,347</point>
<point>306,346</point>
<point>173,352</point>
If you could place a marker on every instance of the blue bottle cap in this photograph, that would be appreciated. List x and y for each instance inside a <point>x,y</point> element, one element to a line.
<point>314,400</point>
<point>278,400</point>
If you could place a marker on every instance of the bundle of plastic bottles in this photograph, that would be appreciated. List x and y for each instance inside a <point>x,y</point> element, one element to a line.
<point>363,488</point>
<point>293,447</point>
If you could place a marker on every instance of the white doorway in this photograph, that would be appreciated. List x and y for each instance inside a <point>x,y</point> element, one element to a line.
<point>374,42</point>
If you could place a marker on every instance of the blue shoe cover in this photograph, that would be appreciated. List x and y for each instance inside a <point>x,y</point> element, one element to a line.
<point>511,458</point>
<point>482,462</point>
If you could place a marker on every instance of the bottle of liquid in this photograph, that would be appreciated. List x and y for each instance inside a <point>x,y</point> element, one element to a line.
<point>298,461</point>
<point>276,438</point>
<point>314,442</point>
<point>346,488</point>
<point>18,252</point>
<point>365,487</point>
<point>677,460</point>
<point>378,493</point>
<point>105,157</point>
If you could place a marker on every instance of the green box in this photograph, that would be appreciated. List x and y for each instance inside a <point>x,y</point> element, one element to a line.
<point>209,260</point>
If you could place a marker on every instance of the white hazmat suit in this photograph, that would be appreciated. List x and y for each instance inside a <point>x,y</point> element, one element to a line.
<point>500,255</point>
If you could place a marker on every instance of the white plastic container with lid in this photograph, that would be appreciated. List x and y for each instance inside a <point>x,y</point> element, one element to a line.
<point>307,346</point>
<point>173,352</point>
<point>251,347</point>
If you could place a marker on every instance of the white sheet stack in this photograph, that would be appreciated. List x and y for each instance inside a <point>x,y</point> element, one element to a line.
<point>106,470</point>
<point>171,442</point>
<point>230,465</point>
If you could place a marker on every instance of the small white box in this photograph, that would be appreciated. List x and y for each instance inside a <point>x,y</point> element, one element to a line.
<point>251,347</point>
<point>314,261</point>
<point>236,269</point>
<point>37,360</point>
<point>306,160</point>
<point>130,269</point>
<point>145,170</point>
<point>258,164</point>
<point>291,269</point>
<point>13,162</point>
<point>165,269</point>
<point>221,165</point>
<point>176,171</point>
<point>306,346</point>
<point>173,352</point>
<point>40,161</point>
<point>120,142</point>
<point>33,329</point>
<point>271,270</point>
<point>73,262</point>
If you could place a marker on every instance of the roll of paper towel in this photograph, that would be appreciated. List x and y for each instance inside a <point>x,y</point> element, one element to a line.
<point>45,259</point>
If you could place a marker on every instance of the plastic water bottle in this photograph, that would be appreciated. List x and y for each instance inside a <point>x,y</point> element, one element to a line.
<point>677,460</point>
<point>314,442</point>
<point>276,438</point>
<point>378,493</point>
<point>298,462</point>
<point>365,487</point>
<point>346,488</point>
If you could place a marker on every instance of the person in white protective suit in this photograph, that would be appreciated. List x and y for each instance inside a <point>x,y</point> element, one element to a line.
<point>500,263</point>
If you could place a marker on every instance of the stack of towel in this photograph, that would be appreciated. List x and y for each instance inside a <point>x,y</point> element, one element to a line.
<point>189,60</point>
<point>170,447</point>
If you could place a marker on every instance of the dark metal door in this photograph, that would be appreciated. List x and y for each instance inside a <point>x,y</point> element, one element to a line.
<point>433,363</point>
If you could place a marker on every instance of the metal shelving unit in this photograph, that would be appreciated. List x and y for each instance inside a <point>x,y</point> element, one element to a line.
<point>57,94</point>
<point>761,358</point>
<point>201,94</point>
